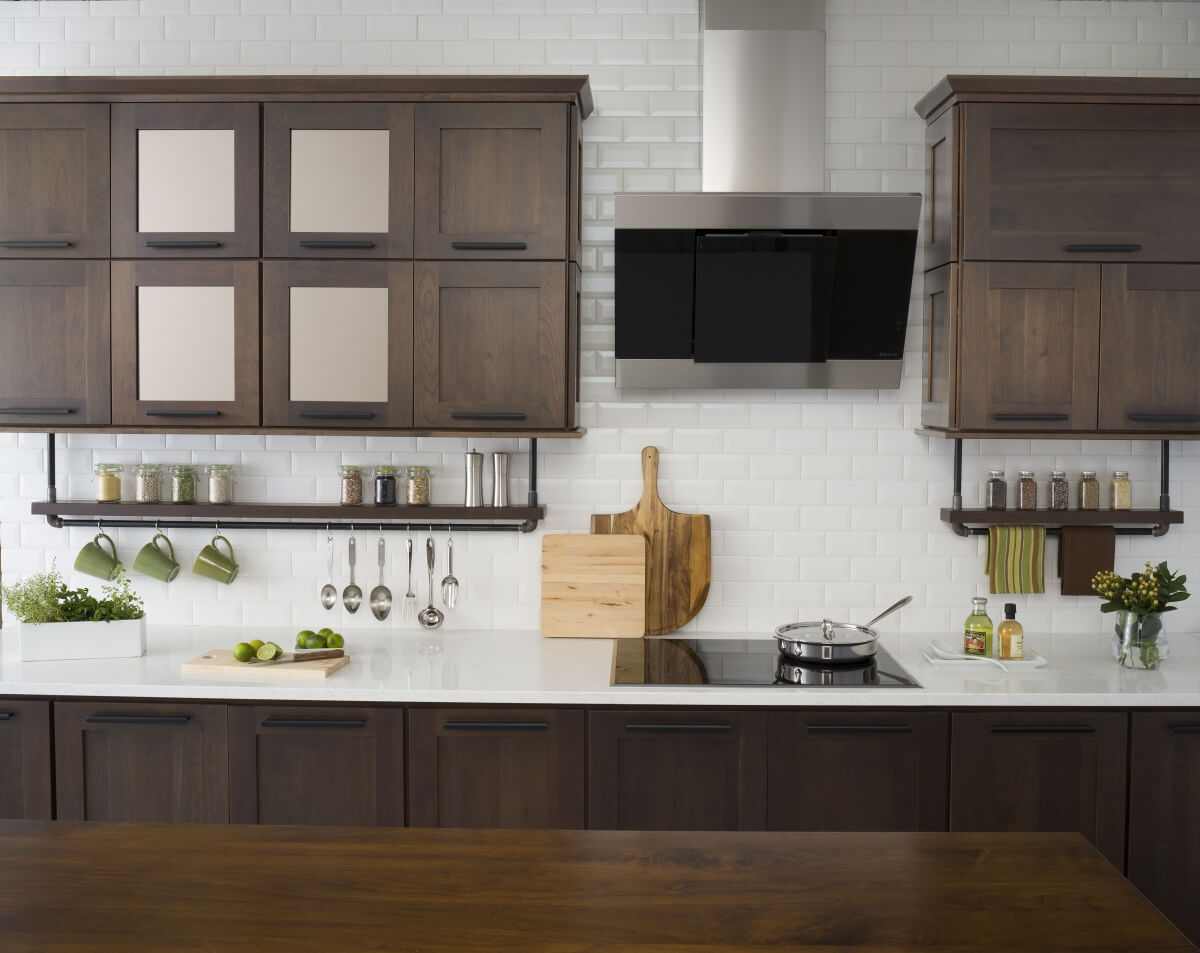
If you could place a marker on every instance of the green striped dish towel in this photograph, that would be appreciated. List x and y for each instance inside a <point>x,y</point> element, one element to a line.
<point>1016,558</point>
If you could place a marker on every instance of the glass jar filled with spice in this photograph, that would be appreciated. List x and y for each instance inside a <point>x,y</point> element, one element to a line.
<point>1122,490</point>
<point>351,480</point>
<point>146,482</point>
<point>220,483</point>
<point>1089,491</point>
<point>416,486</point>
<point>385,486</point>
<point>1059,490</point>
<point>1026,491</point>
<point>108,482</point>
<point>996,490</point>
<point>183,483</point>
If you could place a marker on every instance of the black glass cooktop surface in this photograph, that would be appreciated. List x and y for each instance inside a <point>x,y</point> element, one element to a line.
<point>746,663</point>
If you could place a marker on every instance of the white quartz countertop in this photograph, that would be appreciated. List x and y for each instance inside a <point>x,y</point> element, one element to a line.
<point>522,668</point>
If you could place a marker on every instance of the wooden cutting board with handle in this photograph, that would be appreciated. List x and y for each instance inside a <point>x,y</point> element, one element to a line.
<point>593,586</point>
<point>679,563</point>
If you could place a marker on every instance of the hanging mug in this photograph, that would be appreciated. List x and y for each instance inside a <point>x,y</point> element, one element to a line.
<point>215,564</point>
<point>96,561</point>
<point>156,562</point>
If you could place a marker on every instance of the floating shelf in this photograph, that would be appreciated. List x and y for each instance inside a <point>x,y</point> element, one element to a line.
<point>1052,519</point>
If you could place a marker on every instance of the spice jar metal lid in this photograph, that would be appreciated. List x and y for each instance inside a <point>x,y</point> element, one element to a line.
<point>995,474</point>
<point>385,470</point>
<point>220,467</point>
<point>1087,475</point>
<point>1058,474</point>
<point>1120,474</point>
<point>1026,474</point>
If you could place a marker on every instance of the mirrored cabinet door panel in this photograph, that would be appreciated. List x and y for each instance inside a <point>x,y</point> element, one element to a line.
<point>186,180</point>
<point>337,344</point>
<point>185,344</point>
<point>338,180</point>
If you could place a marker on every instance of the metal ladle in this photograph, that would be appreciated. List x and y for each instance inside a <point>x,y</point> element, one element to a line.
<point>889,610</point>
<point>430,617</point>
<point>381,595</point>
<point>329,591</point>
<point>352,595</point>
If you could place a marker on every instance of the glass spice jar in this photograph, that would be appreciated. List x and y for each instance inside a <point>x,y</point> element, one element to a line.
<point>416,486</point>
<point>1089,491</point>
<point>351,494</point>
<point>1026,491</point>
<point>183,483</point>
<point>146,482</point>
<point>997,490</point>
<point>385,486</point>
<point>1059,490</point>
<point>1122,490</point>
<point>108,482</point>
<point>220,483</point>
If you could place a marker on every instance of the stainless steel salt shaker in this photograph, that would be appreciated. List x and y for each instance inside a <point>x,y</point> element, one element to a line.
<point>474,468</point>
<point>499,479</point>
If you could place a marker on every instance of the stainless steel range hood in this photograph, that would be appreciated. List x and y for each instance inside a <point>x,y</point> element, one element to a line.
<point>763,279</point>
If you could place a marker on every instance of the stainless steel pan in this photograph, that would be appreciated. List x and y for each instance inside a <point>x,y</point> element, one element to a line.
<point>827,641</point>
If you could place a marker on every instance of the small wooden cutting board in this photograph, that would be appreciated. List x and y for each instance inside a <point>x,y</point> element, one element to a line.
<point>221,662</point>
<point>593,586</point>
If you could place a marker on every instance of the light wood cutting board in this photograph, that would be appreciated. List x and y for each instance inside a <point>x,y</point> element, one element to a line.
<point>593,586</point>
<point>221,662</point>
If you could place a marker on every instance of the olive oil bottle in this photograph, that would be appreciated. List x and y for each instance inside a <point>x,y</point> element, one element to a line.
<point>977,630</point>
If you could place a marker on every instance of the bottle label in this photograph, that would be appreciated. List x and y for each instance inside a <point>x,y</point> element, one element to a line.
<point>1016,646</point>
<point>974,643</point>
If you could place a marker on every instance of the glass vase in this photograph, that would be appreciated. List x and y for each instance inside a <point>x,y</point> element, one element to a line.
<point>1139,641</point>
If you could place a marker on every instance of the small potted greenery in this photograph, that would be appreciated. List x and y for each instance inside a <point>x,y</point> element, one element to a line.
<point>61,623</point>
<point>1139,602</point>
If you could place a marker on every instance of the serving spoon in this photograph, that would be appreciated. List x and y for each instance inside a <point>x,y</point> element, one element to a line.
<point>329,591</point>
<point>352,595</point>
<point>381,595</point>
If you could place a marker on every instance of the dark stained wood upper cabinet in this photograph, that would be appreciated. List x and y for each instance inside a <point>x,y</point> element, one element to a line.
<point>316,765</point>
<point>685,770</point>
<point>54,356</point>
<point>185,180</point>
<point>54,166</point>
<point>1164,831</point>
<point>338,180</point>
<point>494,768</point>
<point>25,774</point>
<point>366,380</point>
<point>941,195</point>
<point>1041,771</point>
<point>857,770</point>
<point>939,356</point>
<point>141,761</point>
<point>491,180</point>
<point>491,345</point>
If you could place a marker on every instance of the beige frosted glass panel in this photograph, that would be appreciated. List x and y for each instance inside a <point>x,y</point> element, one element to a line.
<point>185,343</point>
<point>339,344</point>
<point>339,180</point>
<point>185,180</point>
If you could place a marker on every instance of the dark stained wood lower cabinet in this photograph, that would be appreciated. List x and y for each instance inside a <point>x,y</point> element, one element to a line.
<point>495,768</point>
<point>316,765</point>
<point>1041,771</point>
<point>677,770</point>
<point>1164,830</point>
<point>141,761</point>
<point>25,785</point>
<point>857,770</point>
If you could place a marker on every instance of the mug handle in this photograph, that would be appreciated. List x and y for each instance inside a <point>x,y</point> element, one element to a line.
<point>112,547</point>
<point>170,548</point>
<point>225,541</point>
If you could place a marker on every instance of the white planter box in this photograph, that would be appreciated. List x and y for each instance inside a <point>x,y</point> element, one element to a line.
<point>67,640</point>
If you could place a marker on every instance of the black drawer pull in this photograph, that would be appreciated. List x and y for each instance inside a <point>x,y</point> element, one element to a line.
<point>337,244</point>
<point>27,244</point>
<point>182,244</point>
<point>1115,246</point>
<point>1186,729</point>
<point>489,246</point>
<point>495,726</point>
<point>334,415</point>
<point>138,719</point>
<point>860,729</point>
<point>6,715</point>
<point>183,413</point>
<point>17,411</point>
<point>1031,416</point>
<point>682,729</point>
<point>1167,418</point>
<point>314,723</point>
<point>1043,729</point>
<point>486,415</point>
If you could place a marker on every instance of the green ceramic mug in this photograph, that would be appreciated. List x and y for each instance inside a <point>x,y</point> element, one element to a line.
<point>215,564</point>
<point>155,562</point>
<point>94,560</point>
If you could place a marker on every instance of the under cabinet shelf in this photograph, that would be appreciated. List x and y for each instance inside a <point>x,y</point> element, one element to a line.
<point>959,518</point>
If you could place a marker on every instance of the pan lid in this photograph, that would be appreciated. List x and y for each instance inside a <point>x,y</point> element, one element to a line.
<point>826,632</point>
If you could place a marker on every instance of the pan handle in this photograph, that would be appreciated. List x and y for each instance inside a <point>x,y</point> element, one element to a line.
<point>889,610</point>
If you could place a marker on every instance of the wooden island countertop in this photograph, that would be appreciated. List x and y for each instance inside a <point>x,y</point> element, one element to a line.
<point>101,887</point>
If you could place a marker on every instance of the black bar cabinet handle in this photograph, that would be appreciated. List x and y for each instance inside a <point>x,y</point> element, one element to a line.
<point>1031,416</point>
<point>337,244</point>
<point>1186,729</point>
<point>183,413</point>
<point>1166,418</point>
<point>486,415</point>
<point>682,729</point>
<point>1043,729</point>
<point>489,246</point>
<point>182,244</point>
<point>1101,246</point>
<point>334,415</point>
<point>138,719</point>
<point>16,411</point>
<point>30,244</point>
<point>859,729</point>
<point>314,723</point>
<point>6,715</point>
<point>495,726</point>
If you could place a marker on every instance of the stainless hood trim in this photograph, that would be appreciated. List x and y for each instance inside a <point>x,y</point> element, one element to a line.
<point>774,210</point>
<point>679,374</point>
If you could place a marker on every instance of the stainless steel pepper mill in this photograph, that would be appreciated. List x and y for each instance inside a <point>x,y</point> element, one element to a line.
<point>499,479</point>
<point>474,467</point>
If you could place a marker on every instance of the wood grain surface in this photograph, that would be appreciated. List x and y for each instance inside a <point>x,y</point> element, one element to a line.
<point>221,662</point>
<point>593,586</point>
<point>68,886</point>
<point>679,566</point>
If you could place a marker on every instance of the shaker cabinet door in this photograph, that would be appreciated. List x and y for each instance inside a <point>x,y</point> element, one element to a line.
<point>338,180</point>
<point>185,343</point>
<point>25,785</point>
<point>54,169</point>
<point>185,180</point>
<point>337,344</point>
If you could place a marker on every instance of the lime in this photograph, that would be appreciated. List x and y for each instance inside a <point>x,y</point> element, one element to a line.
<point>243,652</point>
<point>300,640</point>
<point>334,641</point>
<point>315,642</point>
<point>268,651</point>
<point>255,644</point>
<point>325,632</point>
<point>305,633</point>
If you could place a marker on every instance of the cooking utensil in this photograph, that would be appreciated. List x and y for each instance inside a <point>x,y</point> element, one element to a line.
<point>410,597</point>
<point>222,662</point>
<point>449,583</point>
<point>430,616</point>
<point>329,591</point>
<point>593,586</point>
<point>352,595</point>
<point>381,595</point>
<point>285,659</point>
<point>679,561</point>
<point>825,641</point>
<point>890,609</point>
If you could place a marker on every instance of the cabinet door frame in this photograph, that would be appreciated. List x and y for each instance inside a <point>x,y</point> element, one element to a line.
<point>127,120</point>
<point>279,119</point>
<point>128,409</point>
<point>93,118</point>
<point>279,410</point>
<point>95,408</point>
<point>943,145</point>
<point>550,241</point>
<point>26,722</point>
<point>939,364</point>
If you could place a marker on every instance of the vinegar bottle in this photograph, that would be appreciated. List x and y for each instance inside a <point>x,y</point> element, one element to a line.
<point>1012,635</point>
<point>977,630</point>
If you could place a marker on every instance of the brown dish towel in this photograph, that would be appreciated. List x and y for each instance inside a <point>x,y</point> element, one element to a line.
<point>1084,551</point>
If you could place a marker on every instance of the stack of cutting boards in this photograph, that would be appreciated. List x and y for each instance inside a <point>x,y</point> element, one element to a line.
<point>642,572</point>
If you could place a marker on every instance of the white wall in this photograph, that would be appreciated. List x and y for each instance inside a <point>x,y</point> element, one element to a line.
<point>822,502</point>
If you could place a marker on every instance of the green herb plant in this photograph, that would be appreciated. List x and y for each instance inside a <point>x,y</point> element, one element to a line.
<point>44,597</point>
